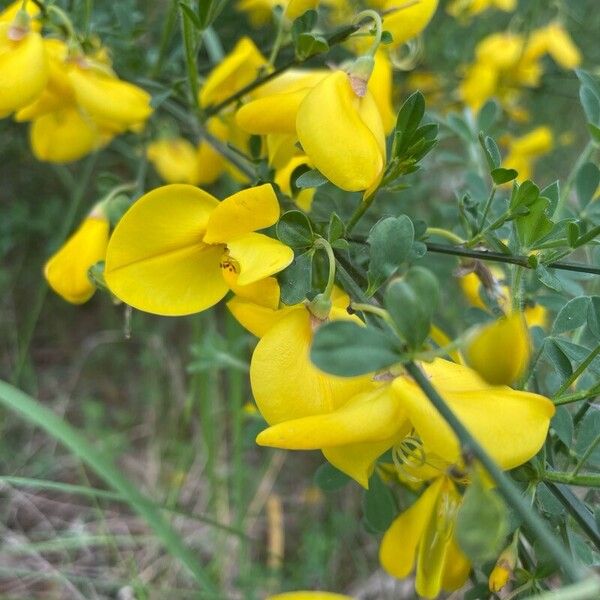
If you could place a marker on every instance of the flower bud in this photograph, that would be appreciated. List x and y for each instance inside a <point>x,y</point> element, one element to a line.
<point>500,351</point>
<point>503,570</point>
<point>67,270</point>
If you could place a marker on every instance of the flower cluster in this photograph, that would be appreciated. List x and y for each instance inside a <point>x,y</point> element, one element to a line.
<point>75,102</point>
<point>179,249</point>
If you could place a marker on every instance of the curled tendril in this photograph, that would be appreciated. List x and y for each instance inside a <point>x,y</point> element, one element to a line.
<point>406,56</point>
<point>408,453</point>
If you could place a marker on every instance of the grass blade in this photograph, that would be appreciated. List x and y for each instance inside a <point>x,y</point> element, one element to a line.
<point>32,411</point>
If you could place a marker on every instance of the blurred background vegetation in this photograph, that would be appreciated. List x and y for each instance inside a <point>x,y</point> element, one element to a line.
<point>169,399</point>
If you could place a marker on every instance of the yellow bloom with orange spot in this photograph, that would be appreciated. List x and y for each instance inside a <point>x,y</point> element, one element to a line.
<point>67,270</point>
<point>178,250</point>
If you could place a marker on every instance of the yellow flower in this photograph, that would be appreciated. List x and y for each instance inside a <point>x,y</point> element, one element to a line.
<point>555,40</point>
<point>309,596</point>
<point>407,23</point>
<point>503,569</point>
<point>424,534</point>
<point>114,104</point>
<point>471,8</point>
<point>178,250</point>
<point>23,65</point>
<point>342,133</point>
<point>511,425</point>
<point>380,85</point>
<point>65,135</point>
<point>67,270</point>
<point>283,178</point>
<point>535,315</point>
<point>175,160</point>
<point>261,11</point>
<point>525,150</point>
<point>239,68</point>
<point>500,351</point>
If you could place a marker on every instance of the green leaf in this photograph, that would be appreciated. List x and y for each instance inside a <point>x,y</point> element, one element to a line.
<point>309,44</point>
<point>587,182</point>
<point>411,302</point>
<point>552,192</point>
<point>378,505</point>
<point>524,195</point>
<point>390,241</point>
<point>329,479</point>
<point>304,23</point>
<point>572,315</point>
<point>191,16</point>
<point>535,224</point>
<point>562,423</point>
<point>501,175</point>
<point>491,151</point>
<point>386,37</point>
<point>347,349</point>
<point>408,120</point>
<point>591,104</point>
<point>311,179</point>
<point>38,415</point>
<point>335,228</point>
<point>594,132</point>
<point>482,523</point>
<point>548,278</point>
<point>488,115</point>
<point>560,361</point>
<point>294,230</point>
<point>573,233</point>
<point>593,316</point>
<point>296,281</point>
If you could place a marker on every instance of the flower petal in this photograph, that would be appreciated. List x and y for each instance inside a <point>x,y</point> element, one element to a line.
<point>309,596</point>
<point>241,213</point>
<point>271,114</point>
<point>67,270</point>
<point>255,318</point>
<point>358,460</point>
<point>258,256</point>
<point>342,134</point>
<point>436,540</point>
<point>368,417</point>
<point>285,383</point>
<point>456,569</point>
<point>400,542</point>
<point>511,425</point>
<point>156,260</point>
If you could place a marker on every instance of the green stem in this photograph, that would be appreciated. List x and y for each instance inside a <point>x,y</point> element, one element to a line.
<point>586,479</point>
<point>278,40</point>
<point>481,235</point>
<point>165,38</point>
<point>487,207</point>
<point>577,396</point>
<point>376,18</point>
<point>517,289</point>
<point>586,455</point>
<point>323,244</point>
<point>588,589</point>
<point>578,371</point>
<point>213,45</point>
<point>446,234</point>
<point>508,259</point>
<point>361,210</point>
<point>189,44</point>
<point>506,487</point>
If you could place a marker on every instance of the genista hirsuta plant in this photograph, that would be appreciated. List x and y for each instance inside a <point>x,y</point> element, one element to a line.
<point>414,301</point>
